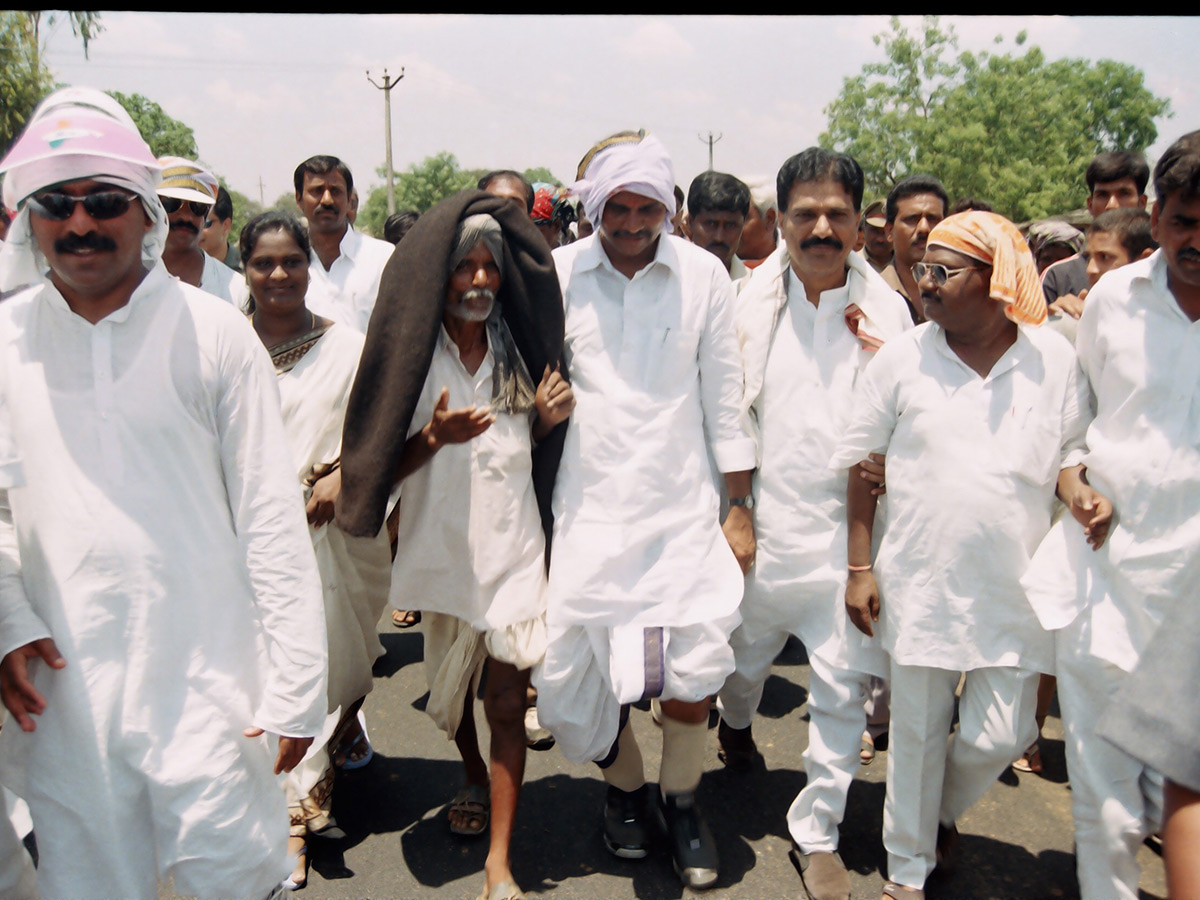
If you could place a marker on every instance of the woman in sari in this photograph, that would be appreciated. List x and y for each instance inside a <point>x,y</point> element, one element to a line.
<point>316,361</point>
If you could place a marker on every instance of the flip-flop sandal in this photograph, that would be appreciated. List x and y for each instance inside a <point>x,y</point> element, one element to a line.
<point>348,764</point>
<point>901,892</point>
<point>866,751</point>
<point>505,890</point>
<point>1030,761</point>
<point>474,802</point>
<point>406,618</point>
<point>291,883</point>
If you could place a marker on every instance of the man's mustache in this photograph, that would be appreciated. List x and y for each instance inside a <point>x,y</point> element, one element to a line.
<point>478,294</point>
<point>72,243</point>
<point>711,248</point>
<point>1188,254</point>
<point>184,224</point>
<point>821,242</point>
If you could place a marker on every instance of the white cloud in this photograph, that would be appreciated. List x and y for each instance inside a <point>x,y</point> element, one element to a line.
<point>655,39</point>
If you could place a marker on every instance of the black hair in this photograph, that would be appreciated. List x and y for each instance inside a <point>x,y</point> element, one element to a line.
<point>1130,225</point>
<point>910,187</point>
<point>819,164</point>
<point>263,223</point>
<point>717,191</point>
<point>966,204</point>
<point>397,225</point>
<point>1179,169</point>
<point>1115,165</point>
<point>515,176</point>
<point>223,208</point>
<point>321,165</point>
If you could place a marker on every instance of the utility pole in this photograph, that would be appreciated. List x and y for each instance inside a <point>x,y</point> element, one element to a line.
<point>386,87</point>
<point>710,140</point>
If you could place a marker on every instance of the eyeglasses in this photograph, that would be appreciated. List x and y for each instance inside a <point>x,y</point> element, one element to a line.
<point>58,207</point>
<point>172,204</point>
<point>940,274</point>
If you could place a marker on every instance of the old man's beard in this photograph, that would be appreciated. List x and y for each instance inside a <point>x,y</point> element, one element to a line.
<point>474,305</point>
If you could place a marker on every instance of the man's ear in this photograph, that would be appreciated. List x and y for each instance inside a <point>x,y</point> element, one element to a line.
<point>887,232</point>
<point>1145,253</point>
<point>771,217</point>
<point>685,226</point>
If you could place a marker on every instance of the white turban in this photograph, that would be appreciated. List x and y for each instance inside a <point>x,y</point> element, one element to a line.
<point>75,133</point>
<point>642,167</point>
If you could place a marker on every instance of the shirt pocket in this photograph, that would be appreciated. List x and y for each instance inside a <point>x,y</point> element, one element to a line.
<point>1033,447</point>
<point>672,361</point>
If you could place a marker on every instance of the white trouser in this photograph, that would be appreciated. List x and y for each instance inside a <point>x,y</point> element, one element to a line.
<point>930,782</point>
<point>837,717</point>
<point>1116,801</point>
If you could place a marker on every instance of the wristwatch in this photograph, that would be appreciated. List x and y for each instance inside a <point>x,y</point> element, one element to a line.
<point>747,501</point>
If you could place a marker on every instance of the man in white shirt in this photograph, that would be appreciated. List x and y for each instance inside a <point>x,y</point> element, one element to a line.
<point>188,193</point>
<point>158,539</point>
<point>346,264</point>
<point>717,206</point>
<point>981,419</point>
<point>808,321</point>
<point>1139,346</point>
<point>644,588</point>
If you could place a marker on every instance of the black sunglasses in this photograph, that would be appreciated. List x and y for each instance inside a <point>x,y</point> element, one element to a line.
<point>172,204</point>
<point>58,207</point>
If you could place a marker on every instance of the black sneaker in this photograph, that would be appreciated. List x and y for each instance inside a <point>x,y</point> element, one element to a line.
<point>693,849</point>
<point>625,823</point>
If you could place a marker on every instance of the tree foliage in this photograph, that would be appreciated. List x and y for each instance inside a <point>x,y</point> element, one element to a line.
<point>418,187</point>
<point>1015,130</point>
<point>165,135</point>
<point>24,81</point>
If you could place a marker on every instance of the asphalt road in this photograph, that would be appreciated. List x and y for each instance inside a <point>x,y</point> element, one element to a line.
<point>1015,843</point>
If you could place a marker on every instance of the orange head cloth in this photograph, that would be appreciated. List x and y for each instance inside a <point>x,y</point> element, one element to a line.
<point>993,239</point>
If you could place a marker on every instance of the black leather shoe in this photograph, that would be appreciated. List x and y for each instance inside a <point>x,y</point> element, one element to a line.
<point>693,849</point>
<point>625,823</point>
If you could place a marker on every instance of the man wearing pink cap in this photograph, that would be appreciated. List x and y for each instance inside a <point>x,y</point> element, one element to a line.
<point>160,607</point>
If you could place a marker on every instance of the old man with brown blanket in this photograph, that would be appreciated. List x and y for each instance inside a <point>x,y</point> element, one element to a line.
<point>459,377</point>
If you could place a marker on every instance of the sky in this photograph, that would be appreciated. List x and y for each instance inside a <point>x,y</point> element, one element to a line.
<point>264,92</point>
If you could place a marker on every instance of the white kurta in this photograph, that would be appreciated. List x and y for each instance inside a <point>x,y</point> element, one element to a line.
<point>1141,355</point>
<point>346,292</point>
<point>657,378</point>
<point>470,541</point>
<point>805,370</point>
<point>972,466</point>
<point>162,545</point>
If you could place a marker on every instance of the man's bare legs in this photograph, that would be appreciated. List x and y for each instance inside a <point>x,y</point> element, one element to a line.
<point>504,705</point>
<point>1181,841</point>
<point>467,741</point>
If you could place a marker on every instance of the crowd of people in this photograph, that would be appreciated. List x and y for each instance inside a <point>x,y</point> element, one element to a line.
<point>606,443</point>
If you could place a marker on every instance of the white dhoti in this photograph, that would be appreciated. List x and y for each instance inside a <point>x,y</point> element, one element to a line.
<point>454,657</point>
<point>590,673</point>
<point>930,781</point>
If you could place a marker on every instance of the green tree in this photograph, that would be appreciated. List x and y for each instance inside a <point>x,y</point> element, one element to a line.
<point>418,187</point>
<point>165,135</point>
<point>24,81</point>
<point>541,173</point>
<point>1014,130</point>
<point>881,116</point>
<point>244,209</point>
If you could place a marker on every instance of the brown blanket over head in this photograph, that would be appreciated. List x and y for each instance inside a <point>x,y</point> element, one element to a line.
<point>402,336</point>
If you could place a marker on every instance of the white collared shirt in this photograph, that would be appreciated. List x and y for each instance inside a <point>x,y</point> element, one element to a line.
<point>972,465</point>
<point>1141,355</point>
<point>216,278</point>
<point>657,377</point>
<point>470,538</point>
<point>347,292</point>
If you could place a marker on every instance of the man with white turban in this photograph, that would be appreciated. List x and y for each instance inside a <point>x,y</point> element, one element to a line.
<point>982,419</point>
<point>644,588</point>
<point>160,607</point>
